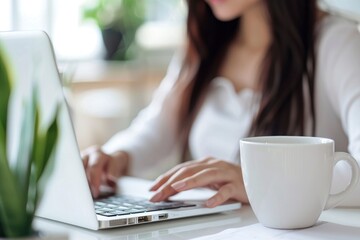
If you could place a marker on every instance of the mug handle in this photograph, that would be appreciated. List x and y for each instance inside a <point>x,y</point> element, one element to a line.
<point>335,199</point>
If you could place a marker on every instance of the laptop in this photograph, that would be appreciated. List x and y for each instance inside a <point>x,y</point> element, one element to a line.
<point>67,197</point>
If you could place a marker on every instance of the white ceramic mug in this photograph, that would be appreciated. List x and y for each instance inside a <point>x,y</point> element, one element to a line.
<point>288,178</point>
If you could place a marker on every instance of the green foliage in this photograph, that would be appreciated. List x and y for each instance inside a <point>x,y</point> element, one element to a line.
<point>118,17</point>
<point>4,98</point>
<point>19,186</point>
<point>116,14</point>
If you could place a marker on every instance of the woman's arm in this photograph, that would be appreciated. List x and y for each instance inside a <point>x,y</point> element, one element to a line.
<point>152,134</point>
<point>151,137</point>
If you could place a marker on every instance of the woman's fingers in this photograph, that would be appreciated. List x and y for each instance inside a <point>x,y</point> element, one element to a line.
<point>86,153</point>
<point>203,178</point>
<point>163,194</point>
<point>224,193</point>
<point>165,190</point>
<point>180,183</point>
<point>222,176</point>
<point>96,171</point>
<point>85,160</point>
<point>161,180</point>
<point>103,169</point>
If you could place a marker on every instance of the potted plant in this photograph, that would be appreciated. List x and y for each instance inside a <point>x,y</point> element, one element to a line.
<point>21,180</point>
<point>118,21</point>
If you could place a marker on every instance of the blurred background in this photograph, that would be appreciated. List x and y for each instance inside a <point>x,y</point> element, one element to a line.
<point>112,54</point>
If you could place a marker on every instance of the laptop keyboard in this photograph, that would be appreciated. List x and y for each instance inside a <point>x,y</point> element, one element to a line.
<point>123,205</point>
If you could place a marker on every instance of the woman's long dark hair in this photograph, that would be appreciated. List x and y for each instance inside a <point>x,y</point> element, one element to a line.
<point>288,70</point>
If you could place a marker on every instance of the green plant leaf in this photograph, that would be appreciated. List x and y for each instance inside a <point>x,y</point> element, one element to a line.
<point>2,233</point>
<point>26,139</point>
<point>29,169</point>
<point>5,87</point>
<point>49,140</point>
<point>45,142</point>
<point>44,145</point>
<point>19,190</point>
<point>50,137</point>
<point>13,214</point>
<point>12,205</point>
<point>121,15</point>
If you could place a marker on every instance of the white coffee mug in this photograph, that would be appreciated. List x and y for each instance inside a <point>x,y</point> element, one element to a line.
<point>288,178</point>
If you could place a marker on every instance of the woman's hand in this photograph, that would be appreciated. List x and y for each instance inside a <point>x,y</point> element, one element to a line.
<point>103,169</point>
<point>216,174</point>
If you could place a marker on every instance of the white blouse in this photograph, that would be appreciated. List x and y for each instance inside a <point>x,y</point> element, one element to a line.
<point>226,115</point>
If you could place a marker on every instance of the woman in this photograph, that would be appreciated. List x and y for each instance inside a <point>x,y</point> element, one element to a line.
<point>250,67</point>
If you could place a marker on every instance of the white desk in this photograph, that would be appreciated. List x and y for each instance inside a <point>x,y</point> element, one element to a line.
<point>187,228</point>
<point>174,229</point>
<point>184,228</point>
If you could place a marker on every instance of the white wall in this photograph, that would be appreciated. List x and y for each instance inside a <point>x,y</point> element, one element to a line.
<point>350,8</point>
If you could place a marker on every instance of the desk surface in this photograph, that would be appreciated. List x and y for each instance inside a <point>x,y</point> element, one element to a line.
<point>175,229</point>
<point>187,228</point>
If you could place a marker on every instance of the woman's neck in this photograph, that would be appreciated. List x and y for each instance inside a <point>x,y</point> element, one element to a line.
<point>255,31</point>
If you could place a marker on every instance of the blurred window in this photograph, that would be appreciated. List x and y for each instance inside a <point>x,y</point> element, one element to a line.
<point>73,38</point>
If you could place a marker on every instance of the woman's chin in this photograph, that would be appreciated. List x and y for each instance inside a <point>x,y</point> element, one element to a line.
<point>224,17</point>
